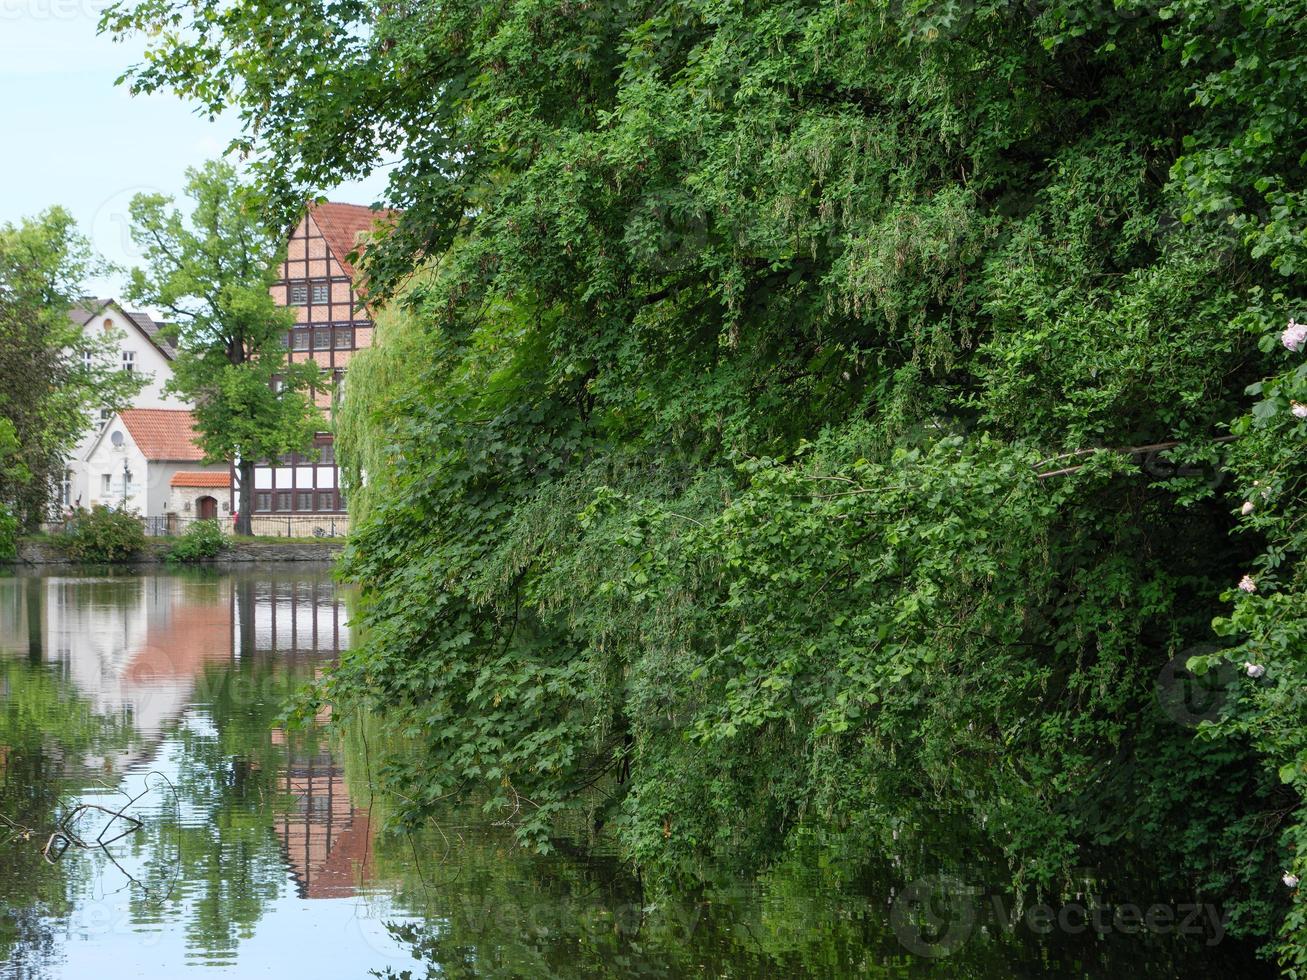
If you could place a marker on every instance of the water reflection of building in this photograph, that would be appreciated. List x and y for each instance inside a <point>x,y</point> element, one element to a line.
<point>136,647</point>
<point>143,648</point>
<point>326,838</point>
<point>131,647</point>
<point>289,616</point>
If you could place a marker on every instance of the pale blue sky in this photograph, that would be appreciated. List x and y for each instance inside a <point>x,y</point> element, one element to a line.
<point>74,138</point>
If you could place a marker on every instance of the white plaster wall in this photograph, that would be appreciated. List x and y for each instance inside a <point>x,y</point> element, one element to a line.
<point>148,362</point>
<point>106,458</point>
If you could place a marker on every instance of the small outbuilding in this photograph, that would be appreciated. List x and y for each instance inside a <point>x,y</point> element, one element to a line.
<point>202,494</point>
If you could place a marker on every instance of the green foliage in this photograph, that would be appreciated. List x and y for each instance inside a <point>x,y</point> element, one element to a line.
<point>8,533</point>
<point>103,534</point>
<point>13,466</point>
<point>44,723</point>
<point>53,374</point>
<point>1267,625</point>
<point>199,542</point>
<point>706,482</point>
<point>212,276</point>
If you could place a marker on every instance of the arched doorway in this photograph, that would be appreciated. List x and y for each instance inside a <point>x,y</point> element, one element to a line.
<point>206,508</point>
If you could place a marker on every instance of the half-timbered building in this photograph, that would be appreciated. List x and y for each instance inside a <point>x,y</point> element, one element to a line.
<point>332,323</point>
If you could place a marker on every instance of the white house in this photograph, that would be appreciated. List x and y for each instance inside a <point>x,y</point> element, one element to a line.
<point>146,460</point>
<point>138,348</point>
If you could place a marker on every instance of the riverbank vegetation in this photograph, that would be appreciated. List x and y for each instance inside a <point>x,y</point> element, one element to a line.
<point>806,412</point>
<point>102,535</point>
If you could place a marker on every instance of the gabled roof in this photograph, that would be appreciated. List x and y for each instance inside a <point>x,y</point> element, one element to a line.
<point>162,433</point>
<point>342,224</point>
<point>90,307</point>
<point>201,478</point>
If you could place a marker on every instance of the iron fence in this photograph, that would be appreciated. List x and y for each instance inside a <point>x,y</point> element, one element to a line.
<point>262,525</point>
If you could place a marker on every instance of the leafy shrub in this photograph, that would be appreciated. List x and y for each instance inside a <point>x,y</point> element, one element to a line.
<point>8,533</point>
<point>104,535</point>
<point>202,540</point>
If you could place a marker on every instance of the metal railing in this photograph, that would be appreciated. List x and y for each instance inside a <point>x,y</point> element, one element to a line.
<point>262,525</point>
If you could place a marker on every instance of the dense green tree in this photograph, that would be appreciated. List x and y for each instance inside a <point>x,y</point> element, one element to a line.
<point>211,275</point>
<point>54,376</point>
<point>821,411</point>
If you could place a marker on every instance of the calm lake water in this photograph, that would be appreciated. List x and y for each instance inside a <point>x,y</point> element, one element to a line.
<point>156,820</point>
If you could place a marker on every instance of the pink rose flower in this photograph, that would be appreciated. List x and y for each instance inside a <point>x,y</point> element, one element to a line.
<point>1294,336</point>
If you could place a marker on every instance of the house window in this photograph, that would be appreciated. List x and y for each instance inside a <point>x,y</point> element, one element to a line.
<point>321,339</point>
<point>344,338</point>
<point>325,502</point>
<point>88,359</point>
<point>277,385</point>
<point>129,361</point>
<point>106,414</point>
<point>106,484</point>
<point>301,340</point>
<point>327,453</point>
<point>321,292</point>
<point>108,325</point>
<point>299,293</point>
<point>66,488</point>
<point>283,500</point>
<point>263,501</point>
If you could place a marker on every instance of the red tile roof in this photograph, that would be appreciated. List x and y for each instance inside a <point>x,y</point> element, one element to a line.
<point>163,433</point>
<point>201,478</point>
<point>341,225</point>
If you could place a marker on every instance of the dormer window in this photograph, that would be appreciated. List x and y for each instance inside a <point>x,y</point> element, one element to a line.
<point>299,293</point>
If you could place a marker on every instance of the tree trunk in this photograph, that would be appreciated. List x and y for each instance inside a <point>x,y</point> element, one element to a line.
<point>245,499</point>
<point>245,601</point>
<point>34,593</point>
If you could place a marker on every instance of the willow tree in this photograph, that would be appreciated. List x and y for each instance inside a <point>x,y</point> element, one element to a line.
<point>211,274</point>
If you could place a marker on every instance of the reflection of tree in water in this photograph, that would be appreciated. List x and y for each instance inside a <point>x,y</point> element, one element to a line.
<point>228,757</point>
<point>232,778</point>
<point>494,911</point>
<point>45,728</point>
